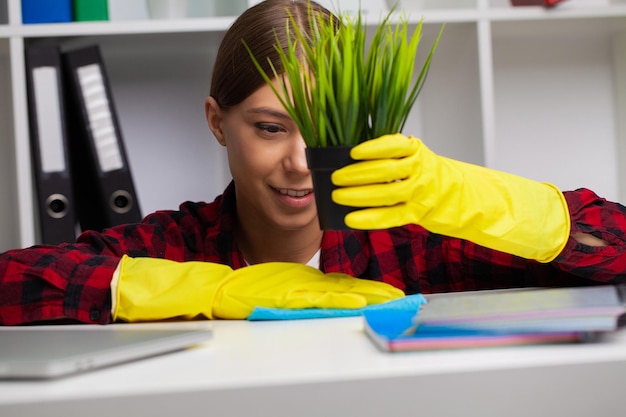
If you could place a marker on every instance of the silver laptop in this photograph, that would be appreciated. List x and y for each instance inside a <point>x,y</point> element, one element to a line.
<point>41,352</point>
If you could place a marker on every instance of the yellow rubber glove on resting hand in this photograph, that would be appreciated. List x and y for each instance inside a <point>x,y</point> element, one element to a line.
<point>156,289</point>
<point>406,183</point>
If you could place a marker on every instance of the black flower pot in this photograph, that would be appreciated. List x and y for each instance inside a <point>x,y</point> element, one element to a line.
<point>322,162</point>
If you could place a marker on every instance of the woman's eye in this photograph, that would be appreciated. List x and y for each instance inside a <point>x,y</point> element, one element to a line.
<point>269,128</point>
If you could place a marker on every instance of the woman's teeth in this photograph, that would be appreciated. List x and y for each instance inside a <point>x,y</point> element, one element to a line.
<point>293,193</point>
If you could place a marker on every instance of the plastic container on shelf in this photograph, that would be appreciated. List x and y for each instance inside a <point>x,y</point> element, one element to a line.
<point>128,10</point>
<point>90,10</point>
<point>433,4</point>
<point>167,9</point>
<point>177,9</point>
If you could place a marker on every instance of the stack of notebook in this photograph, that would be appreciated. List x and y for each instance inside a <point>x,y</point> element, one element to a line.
<point>499,318</point>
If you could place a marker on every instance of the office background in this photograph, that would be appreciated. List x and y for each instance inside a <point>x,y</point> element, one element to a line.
<point>537,92</point>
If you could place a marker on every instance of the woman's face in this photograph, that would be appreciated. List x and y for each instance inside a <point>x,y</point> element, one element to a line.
<point>267,160</point>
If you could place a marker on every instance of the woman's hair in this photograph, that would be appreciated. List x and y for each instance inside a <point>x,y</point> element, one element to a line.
<point>261,27</point>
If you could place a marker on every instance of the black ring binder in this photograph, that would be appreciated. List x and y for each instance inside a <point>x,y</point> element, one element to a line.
<point>105,192</point>
<point>49,143</point>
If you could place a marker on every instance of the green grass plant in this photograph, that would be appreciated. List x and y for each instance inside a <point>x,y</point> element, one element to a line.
<point>341,88</point>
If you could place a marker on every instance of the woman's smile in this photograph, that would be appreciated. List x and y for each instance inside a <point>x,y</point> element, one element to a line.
<point>295,198</point>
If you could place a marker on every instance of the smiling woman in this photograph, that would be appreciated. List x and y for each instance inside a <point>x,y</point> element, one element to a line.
<point>259,244</point>
<point>264,145</point>
<point>273,186</point>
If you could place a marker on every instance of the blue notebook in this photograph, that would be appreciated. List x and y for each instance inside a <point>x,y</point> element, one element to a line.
<point>498,318</point>
<point>393,331</point>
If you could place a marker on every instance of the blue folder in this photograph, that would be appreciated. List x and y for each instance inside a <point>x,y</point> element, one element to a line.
<point>46,11</point>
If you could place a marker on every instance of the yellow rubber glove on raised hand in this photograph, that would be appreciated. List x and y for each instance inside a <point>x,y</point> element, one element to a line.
<point>156,289</point>
<point>406,183</point>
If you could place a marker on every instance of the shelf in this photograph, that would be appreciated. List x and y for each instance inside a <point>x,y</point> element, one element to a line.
<point>221,23</point>
<point>125,27</point>
<point>189,25</point>
<point>556,13</point>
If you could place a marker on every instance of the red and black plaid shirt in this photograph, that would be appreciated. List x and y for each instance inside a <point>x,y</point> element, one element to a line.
<point>72,281</point>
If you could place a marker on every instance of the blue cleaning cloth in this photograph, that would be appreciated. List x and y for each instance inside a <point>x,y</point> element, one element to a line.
<point>410,303</point>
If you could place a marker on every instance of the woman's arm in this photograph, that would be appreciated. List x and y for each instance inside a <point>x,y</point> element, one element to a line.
<point>589,240</point>
<point>44,283</point>
<point>71,282</point>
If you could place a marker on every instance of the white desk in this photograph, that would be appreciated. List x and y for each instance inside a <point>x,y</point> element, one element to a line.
<point>328,367</point>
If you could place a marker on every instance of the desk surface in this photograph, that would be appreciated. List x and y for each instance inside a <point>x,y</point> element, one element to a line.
<point>328,367</point>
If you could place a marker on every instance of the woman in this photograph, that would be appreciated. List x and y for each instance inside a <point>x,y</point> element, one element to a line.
<point>194,262</point>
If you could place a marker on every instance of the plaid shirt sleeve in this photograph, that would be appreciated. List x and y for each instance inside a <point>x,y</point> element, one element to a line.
<point>605,220</point>
<point>71,282</point>
<point>577,264</point>
<point>415,260</point>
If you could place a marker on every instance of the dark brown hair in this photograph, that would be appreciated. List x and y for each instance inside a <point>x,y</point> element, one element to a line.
<point>261,27</point>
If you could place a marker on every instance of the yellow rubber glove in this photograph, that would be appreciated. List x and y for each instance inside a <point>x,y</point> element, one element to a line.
<point>156,289</point>
<point>406,183</point>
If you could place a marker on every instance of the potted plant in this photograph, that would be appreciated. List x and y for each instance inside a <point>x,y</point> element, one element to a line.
<point>342,89</point>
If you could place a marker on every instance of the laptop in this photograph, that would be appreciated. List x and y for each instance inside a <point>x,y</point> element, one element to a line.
<point>44,352</point>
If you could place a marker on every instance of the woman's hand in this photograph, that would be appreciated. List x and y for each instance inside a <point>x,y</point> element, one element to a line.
<point>156,289</point>
<point>400,181</point>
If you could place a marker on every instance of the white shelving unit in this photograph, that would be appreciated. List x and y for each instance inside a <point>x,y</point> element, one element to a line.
<point>533,91</point>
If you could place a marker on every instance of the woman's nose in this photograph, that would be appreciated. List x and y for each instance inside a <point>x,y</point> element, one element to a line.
<point>296,157</point>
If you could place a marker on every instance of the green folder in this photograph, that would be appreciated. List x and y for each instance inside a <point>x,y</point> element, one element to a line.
<point>88,10</point>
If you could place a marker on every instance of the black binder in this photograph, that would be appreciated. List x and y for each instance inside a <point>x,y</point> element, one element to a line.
<point>48,137</point>
<point>103,184</point>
